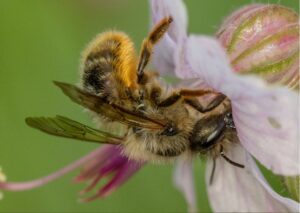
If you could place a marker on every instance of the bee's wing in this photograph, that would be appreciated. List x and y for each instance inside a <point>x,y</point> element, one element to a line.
<point>111,111</point>
<point>65,127</point>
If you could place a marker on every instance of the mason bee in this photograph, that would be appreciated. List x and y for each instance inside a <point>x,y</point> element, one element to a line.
<point>160,124</point>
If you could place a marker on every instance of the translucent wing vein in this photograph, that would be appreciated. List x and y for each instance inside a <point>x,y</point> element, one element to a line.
<point>65,127</point>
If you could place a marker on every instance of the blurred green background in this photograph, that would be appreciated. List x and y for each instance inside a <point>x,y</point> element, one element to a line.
<point>41,41</point>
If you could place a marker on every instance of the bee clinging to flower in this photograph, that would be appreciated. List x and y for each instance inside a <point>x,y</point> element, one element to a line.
<point>212,112</point>
<point>161,123</point>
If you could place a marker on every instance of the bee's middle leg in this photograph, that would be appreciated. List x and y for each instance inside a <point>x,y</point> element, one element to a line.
<point>210,106</point>
<point>188,96</point>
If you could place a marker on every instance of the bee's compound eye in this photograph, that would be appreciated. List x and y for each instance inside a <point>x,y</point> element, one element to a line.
<point>170,130</point>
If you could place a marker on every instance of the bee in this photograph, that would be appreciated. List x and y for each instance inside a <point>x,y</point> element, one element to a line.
<point>160,123</point>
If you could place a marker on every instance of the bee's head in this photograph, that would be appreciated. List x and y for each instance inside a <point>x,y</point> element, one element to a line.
<point>209,130</point>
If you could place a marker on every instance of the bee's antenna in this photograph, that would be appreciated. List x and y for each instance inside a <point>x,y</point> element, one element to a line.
<point>230,161</point>
<point>212,172</point>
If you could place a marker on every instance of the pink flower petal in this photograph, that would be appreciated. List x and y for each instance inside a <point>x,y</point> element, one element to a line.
<point>91,168</point>
<point>243,190</point>
<point>265,118</point>
<point>15,186</point>
<point>112,163</point>
<point>184,181</point>
<point>121,176</point>
<point>163,56</point>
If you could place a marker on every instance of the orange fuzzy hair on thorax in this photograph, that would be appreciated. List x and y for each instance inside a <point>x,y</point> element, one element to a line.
<point>114,53</point>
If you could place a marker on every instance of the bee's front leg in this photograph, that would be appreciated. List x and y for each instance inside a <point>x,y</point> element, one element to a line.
<point>147,47</point>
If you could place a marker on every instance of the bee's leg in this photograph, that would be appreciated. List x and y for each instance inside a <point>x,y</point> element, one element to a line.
<point>229,160</point>
<point>212,172</point>
<point>187,94</point>
<point>155,35</point>
<point>213,104</point>
<point>172,99</point>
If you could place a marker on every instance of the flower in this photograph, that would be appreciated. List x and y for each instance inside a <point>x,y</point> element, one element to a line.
<point>109,161</point>
<point>200,62</point>
<point>103,162</point>
<point>263,40</point>
<point>264,131</point>
<point>2,179</point>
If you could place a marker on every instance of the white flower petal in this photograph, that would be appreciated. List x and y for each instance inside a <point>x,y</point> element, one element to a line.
<point>183,69</point>
<point>176,8</point>
<point>184,182</point>
<point>243,190</point>
<point>163,56</point>
<point>266,118</point>
<point>191,83</point>
<point>207,59</point>
<point>268,128</point>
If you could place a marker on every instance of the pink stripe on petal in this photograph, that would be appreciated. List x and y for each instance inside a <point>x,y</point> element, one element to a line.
<point>123,174</point>
<point>91,185</point>
<point>113,165</point>
<point>16,186</point>
<point>92,168</point>
<point>231,22</point>
<point>253,25</point>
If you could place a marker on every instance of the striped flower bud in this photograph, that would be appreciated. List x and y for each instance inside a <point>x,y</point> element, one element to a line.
<point>264,40</point>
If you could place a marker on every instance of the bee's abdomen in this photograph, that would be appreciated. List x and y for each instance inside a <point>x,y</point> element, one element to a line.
<point>106,61</point>
<point>99,66</point>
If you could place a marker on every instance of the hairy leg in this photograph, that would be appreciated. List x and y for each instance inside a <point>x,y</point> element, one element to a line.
<point>147,47</point>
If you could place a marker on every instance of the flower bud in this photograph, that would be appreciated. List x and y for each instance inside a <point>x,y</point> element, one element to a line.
<point>263,40</point>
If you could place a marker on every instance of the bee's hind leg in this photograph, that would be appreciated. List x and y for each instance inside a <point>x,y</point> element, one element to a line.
<point>154,36</point>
